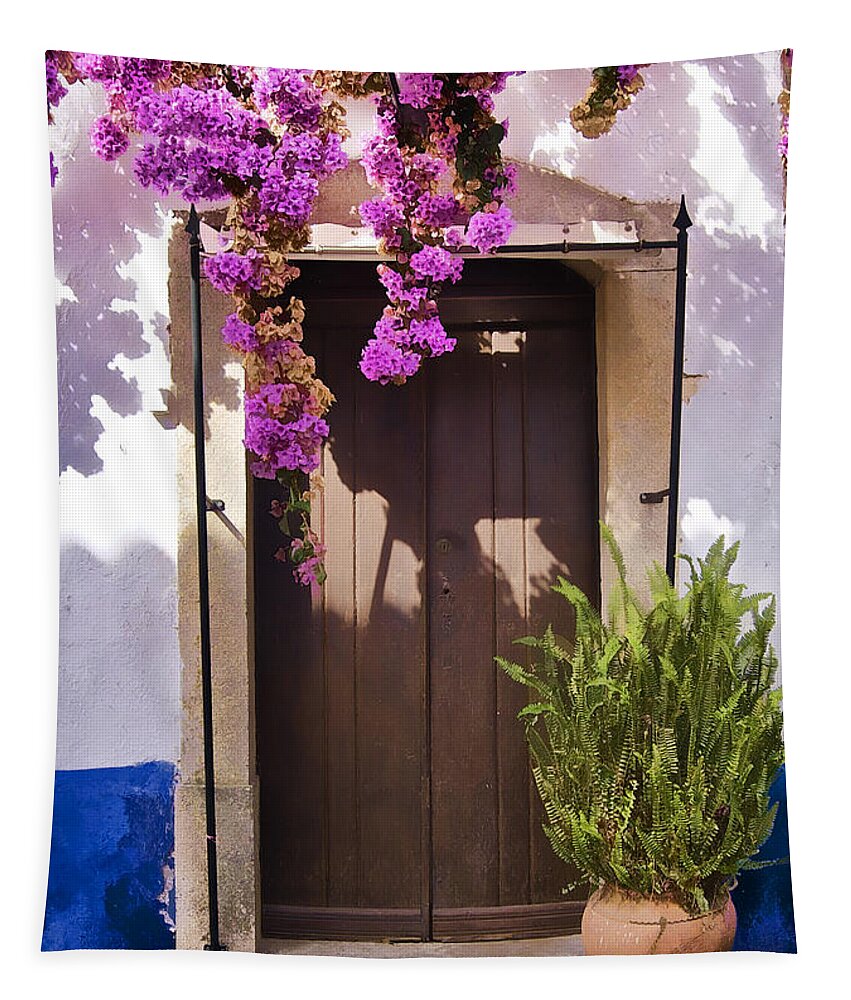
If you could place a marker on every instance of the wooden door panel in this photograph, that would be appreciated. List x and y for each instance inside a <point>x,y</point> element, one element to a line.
<point>390,647</point>
<point>528,469</point>
<point>395,793</point>
<point>461,595</point>
<point>341,673</point>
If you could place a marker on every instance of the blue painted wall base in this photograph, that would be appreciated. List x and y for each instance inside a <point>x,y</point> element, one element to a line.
<point>111,869</point>
<point>763,898</point>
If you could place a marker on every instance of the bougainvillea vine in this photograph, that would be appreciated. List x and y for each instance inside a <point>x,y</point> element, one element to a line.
<point>436,159</point>
<point>264,141</point>
<point>783,101</point>
<point>611,90</point>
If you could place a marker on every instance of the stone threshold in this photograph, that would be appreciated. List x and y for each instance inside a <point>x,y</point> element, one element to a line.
<point>554,947</point>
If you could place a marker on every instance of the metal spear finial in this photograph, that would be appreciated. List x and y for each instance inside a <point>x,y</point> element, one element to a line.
<point>683,221</point>
<point>193,224</point>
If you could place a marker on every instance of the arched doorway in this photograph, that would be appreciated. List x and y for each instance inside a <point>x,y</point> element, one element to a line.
<point>395,794</point>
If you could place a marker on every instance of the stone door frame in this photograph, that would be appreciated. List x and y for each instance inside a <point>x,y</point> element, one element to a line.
<point>634,336</point>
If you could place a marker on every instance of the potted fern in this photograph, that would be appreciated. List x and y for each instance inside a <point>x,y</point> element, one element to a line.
<point>654,738</point>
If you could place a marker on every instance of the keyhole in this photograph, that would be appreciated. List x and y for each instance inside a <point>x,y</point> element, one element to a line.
<point>443,545</point>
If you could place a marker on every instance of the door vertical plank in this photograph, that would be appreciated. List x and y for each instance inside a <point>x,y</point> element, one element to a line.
<point>561,502</point>
<point>510,610</point>
<point>390,650</point>
<point>339,371</point>
<point>291,719</point>
<point>426,818</point>
<point>465,838</point>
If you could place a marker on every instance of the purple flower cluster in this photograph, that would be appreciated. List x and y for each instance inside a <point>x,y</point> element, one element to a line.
<point>232,272</point>
<point>437,210</point>
<point>410,201</point>
<point>437,264</point>
<point>101,69</point>
<point>384,216</point>
<point>239,334</point>
<point>409,329</point>
<point>384,361</point>
<point>382,159</point>
<point>213,116</point>
<point>196,135</point>
<point>290,195</point>
<point>56,90</point>
<point>783,145</point>
<point>412,217</point>
<point>206,137</point>
<point>281,431</point>
<point>127,82</point>
<point>411,208</point>
<point>108,139</point>
<point>430,337</point>
<point>172,165</point>
<point>626,74</point>
<point>292,96</point>
<point>308,153</point>
<point>419,90</point>
<point>504,180</point>
<point>488,230</point>
<point>306,556</point>
<point>199,138</point>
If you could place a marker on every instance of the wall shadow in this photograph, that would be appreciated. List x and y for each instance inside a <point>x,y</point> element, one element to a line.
<point>706,133</point>
<point>98,212</point>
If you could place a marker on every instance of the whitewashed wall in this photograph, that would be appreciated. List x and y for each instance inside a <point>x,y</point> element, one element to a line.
<point>707,130</point>
<point>118,655</point>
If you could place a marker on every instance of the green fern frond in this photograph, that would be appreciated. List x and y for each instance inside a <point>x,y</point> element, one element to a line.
<point>654,737</point>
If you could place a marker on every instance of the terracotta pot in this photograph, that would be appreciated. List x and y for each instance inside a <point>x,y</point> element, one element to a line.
<point>620,923</point>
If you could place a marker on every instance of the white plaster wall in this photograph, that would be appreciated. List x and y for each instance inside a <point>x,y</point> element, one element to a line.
<point>118,656</point>
<point>705,129</point>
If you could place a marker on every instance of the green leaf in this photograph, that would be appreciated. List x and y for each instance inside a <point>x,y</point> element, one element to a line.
<point>536,708</point>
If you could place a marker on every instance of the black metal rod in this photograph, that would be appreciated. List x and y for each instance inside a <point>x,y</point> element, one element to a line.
<point>681,224</point>
<point>567,247</point>
<point>193,227</point>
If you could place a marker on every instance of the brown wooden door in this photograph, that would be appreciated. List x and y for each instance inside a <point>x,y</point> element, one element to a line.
<point>395,794</point>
